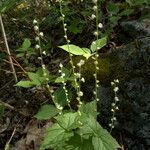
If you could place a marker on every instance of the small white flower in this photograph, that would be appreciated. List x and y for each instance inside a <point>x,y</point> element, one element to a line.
<point>97,99</point>
<point>35,21</point>
<point>82,79</point>
<point>65,36</point>
<point>80,93</point>
<point>78,75</point>
<point>93,16</point>
<point>43,66</point>
<point>112,83</point>
<point>36,28</point>
<point>113,104</point>
<point>60,65</point>
<point>100,25</point>
<point>116,89</point>
<point>37,38</point>
<point>116,99</point>
<point>37,46</point>
<point>63,75</point>
<point>95,8</point>
<point>44,52</point>
<point>96,62</point>
<point>117,81</point>
<point>95,33</point>
<point>65,24</point>
<point>117,108</point>
<point>41,34</point>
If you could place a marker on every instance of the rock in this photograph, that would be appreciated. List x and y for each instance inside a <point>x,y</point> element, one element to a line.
<point>137,29</point>
<point>133,71</point>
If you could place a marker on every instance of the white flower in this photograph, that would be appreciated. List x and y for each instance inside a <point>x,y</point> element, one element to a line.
<point>60,65</point>
<point>63,75</point>
<point>93,16</point>
<point>35,21</point>
<point>117,81</point>
<point>95,33</point>
<point>116,89</point>
<point>78,75</point>
<point>37,46</point>
<point>100,25</point>
<point>44,52</point>
<point>112,83</point>
<point>80,93</point>
<point>116,99</point>
<point>41,34</point>
<point>82,79</point>
<point>95,8</point>
<point>36,28</point>
<point>37,38</point>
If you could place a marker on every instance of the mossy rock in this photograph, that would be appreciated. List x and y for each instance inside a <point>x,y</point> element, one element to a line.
<point>88,69</point>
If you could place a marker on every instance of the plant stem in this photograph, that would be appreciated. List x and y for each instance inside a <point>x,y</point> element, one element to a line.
<point>8,50</point>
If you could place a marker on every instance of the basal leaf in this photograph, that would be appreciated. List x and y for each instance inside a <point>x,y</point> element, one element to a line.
<point>46,112</point>
<point>55,137</point>
<point>98,44</point>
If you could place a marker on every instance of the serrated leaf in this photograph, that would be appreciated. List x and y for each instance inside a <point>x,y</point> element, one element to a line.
<point>93,128</point>
<point>25,84</point>
<point>90,109</point>
<point>46,112</point>
<point>68,121</point>
<point>55,137</point>
<point>98,44</point>
<point>76,50</point>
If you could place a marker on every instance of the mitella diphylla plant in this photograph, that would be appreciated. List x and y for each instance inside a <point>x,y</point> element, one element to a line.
<point>72,129</point>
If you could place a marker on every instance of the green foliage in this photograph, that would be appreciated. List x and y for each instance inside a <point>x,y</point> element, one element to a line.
<point>7,5</point>
<point>67,128</point>
<point>76,50</point>
<point>34,79</point>
<point>46,112</point>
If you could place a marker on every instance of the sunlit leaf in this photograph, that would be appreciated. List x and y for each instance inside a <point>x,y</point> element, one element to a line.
<point>98,44</point>
<point>46,112</point>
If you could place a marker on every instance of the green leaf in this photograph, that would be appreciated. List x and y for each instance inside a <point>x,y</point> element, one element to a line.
<point>47,112</point>
<point>56,137</point>
<point>60,96</point>
<point>76,50</point>
<point>113,8</point>
<point>68,121</point>
<point>26,44</point>
<point>98,44</point>
<point>36,79</point>
<point>93,128</point>
<point>90,109</point>
<point>25,84</point>
<point>78,143</point>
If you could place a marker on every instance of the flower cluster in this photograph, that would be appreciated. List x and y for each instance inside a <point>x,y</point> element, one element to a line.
<point>64,83</point>
<point>114,108</point>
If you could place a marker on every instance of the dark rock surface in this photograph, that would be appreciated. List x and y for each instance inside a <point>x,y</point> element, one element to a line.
<point>133,117</point>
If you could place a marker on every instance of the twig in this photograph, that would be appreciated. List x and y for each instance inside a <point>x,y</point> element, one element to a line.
<point>8,51</point>
<point>7,105</point>
<point>7,144</point>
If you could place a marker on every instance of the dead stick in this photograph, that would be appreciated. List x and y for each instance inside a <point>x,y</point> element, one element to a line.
<point>8,51</point>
